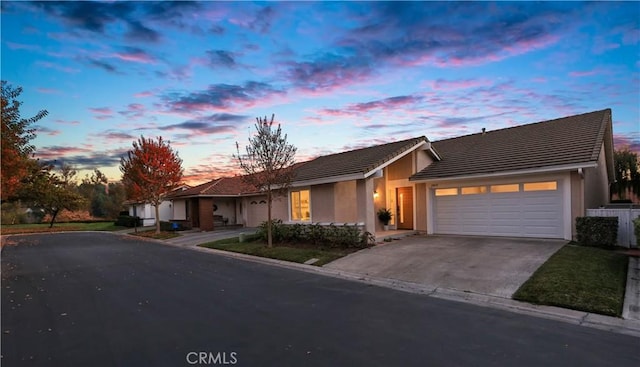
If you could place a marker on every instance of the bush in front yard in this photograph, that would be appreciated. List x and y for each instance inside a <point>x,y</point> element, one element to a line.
<point>128,221</point>
<point>597,231</point>
<point>342,236</point>
<point>636,230</point>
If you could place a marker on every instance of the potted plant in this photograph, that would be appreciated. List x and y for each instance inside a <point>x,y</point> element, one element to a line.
<point>385,215</point>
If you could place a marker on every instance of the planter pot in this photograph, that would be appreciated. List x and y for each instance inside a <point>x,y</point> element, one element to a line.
<point>385,227</point>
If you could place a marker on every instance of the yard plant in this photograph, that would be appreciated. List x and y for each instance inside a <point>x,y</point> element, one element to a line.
<point>581,278</point>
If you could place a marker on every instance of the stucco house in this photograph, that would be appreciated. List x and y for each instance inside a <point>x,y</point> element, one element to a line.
<point>525,181</point>
<point>147,212</point>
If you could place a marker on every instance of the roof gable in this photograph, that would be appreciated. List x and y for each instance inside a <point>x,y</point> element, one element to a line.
<point>566,141</point>
<point>355,162</point>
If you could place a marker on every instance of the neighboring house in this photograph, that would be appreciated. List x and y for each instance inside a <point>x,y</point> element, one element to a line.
<point>147,212</point>
<point>223,201</point>
<point>525,181</point>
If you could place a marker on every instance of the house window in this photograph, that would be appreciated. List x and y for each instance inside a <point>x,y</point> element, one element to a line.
<point>446,192</point>
<point>300,207</point>
<point>541,186</point>
<point>505,188</point>
<point>474,190</point>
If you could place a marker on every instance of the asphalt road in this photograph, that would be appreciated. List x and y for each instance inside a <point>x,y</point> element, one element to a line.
<point>90,299</point>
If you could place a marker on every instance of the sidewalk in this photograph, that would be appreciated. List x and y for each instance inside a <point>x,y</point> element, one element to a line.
<point>194,237</point>
<point>631,308</point>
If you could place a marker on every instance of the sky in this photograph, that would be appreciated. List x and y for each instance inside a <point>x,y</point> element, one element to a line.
<point>337,75</point>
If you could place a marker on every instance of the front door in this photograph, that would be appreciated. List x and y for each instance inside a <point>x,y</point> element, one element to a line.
<point>404,212</point>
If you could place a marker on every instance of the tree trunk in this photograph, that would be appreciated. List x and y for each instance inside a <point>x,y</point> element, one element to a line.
<point>269,224</point>
<point>157,217</point>
<point>53,217</point>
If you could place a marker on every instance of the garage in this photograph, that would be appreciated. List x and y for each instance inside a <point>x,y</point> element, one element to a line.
<point>518,209</point>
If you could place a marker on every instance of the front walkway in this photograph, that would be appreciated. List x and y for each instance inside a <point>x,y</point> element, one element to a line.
<point>195,237</point>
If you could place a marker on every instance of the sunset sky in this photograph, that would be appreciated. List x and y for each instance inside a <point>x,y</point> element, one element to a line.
<point>337,75</point>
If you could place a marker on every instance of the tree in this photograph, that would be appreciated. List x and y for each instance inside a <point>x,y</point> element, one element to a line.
<point>268,163</point>
<point>17,132</point>
<point>627,172</point>
<point>149,171</point>
<point>44,189</point>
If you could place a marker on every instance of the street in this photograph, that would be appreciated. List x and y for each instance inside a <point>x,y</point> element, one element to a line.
<point>101,299</point>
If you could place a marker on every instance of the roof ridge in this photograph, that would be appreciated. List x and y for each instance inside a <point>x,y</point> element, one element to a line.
<point>600,138</point>
<point>369,147</point>
<point>397,152</point>
<point>523,125</point>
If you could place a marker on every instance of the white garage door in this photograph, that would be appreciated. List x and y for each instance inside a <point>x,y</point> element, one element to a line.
<point>256,212</point>
<point>530,209</point>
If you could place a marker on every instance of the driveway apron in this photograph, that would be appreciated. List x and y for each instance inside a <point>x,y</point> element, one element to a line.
<point>492,266</point>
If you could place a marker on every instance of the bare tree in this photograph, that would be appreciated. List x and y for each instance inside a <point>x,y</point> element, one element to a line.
<point>268,163</point>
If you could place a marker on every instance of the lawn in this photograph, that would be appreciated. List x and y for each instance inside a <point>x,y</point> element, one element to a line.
<point>581,278</point>
<point>163,235</point>
<point>59,227</point>
<point>288,253</point>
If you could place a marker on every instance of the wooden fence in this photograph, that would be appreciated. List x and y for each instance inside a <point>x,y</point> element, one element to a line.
<point>626,237</point>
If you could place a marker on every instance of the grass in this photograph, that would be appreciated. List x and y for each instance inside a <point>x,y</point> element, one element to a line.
<point>286,253</point>
<point>59,227</point>
<point>163,235</point>
<point>581,278</point>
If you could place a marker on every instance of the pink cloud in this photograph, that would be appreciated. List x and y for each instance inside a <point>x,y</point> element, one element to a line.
<point>143,94</point>
<point>139,57</point>
<point>101,110</point>
<point>441,84</point>
<point>65,122</point>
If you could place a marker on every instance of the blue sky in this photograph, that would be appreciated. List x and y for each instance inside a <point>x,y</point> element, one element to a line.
<point>337,75</point>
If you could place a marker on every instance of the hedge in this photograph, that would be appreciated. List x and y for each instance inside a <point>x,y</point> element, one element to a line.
<point>128,221</point>
<point>636,230</point>
<point>337,236</point>
<point>597,231</point>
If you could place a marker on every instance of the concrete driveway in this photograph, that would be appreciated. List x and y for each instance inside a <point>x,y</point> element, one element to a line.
<point>486,265</point>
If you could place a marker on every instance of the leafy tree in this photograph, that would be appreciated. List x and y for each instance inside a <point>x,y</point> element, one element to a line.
<point>17,133</point>
<point>268,163</point>
<point>42,188</point>
<point>627,172</point>
<point>149,171</point>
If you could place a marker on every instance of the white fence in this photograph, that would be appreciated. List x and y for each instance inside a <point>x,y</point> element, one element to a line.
<point>626,237</point>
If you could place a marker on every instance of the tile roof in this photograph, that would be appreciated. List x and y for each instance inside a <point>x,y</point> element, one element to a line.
<point>359,161</point>
<point>565,141</point>
<point>225,186</point>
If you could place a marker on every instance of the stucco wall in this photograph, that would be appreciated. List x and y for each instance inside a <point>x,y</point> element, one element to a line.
<point>402,168</point>
<point>179,210</point>
<point>596,184</point>
<point>423,159</point>
<point>420,194</point>
<point>226,208</point>
<point>345,206</point>
<point>379,200</point>
<point>577,199</point>
<point>322,203</point>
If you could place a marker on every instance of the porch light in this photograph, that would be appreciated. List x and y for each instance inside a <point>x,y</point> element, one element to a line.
<point>375,194</point>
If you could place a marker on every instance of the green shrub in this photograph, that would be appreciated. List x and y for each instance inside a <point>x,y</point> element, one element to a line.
<point>128,221</point>
<point>636,230</point>
<point>597,231</point>
<point>343,236</point>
